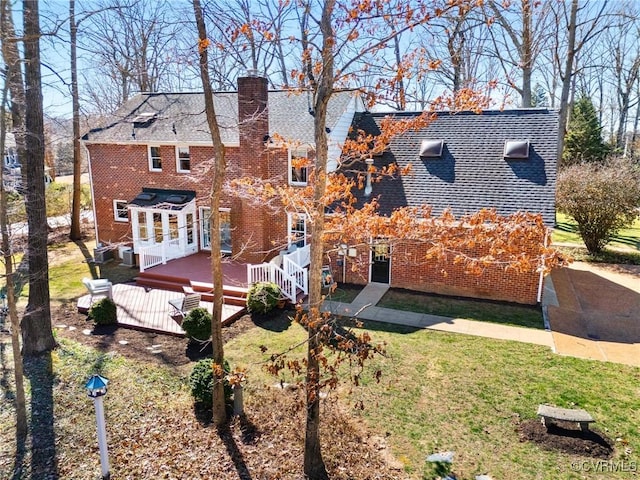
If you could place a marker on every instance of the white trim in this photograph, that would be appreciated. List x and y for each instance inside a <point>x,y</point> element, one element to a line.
<point>299,151</point>
<point>117,209</point>
<point>151,157</point>
<point>204,232</point>
<point>290,223</point>
<point>177,149</point>
<point>371,255</point>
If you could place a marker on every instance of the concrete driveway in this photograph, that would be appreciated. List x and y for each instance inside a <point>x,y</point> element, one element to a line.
<point>597,313</point>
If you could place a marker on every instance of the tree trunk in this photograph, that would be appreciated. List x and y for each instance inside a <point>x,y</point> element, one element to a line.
<point>314,466</point>
<point>37,335</point>
<point>219,413</point>
<point>526,54</point>
<point>13,63</point>
<point>75,233</point>
<point>20,401</point>
<point>567,77</point>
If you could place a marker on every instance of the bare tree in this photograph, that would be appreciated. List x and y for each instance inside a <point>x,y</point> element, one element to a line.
<point>219,413</point>
<point>522,34</point>
<point>583,25</point>
<point>133,44</point>
<point>20,400</point>
<point>37,335</point>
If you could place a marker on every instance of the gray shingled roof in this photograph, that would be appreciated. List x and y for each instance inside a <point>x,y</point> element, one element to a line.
<point>471,173</point>
<point>181,118</point>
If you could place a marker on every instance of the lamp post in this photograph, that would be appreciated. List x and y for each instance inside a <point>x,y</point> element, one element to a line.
<point>96,389</point>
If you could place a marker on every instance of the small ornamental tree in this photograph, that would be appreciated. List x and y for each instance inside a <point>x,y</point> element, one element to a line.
<point>583,142</point>
<point>601,198</point>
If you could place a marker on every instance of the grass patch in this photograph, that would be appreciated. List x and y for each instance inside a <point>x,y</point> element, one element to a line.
<point>453,307</point>
<point>566,231</point>
<point>69,262</point>
<point>344,292</point>
<point>444,391</point>
<point>608,255</point>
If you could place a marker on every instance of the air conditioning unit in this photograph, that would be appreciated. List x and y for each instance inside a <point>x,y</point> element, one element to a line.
<point>128,257</point>
<point>102,255</point>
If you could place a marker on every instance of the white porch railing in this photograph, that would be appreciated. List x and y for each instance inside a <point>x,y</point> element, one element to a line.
<point>298,273</point>
<point>159,253</point>
<point>292,276</point>
<point>268,272</point>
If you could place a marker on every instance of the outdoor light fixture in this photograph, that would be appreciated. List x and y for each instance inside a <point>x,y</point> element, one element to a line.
<point>368,188</point>
<point>96,389</point>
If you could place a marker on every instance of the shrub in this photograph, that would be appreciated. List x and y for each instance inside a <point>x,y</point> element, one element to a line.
<point>201,382</point>
<point>263,297</point>
<point>602,198</point>
<point>197,324</point>
<point>103,312</point>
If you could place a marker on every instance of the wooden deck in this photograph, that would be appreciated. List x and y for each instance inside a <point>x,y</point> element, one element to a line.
<point>148,309</point>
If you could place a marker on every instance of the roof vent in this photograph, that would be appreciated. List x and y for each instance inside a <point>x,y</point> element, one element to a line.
<point>518,149</point>
<point>431,148</point>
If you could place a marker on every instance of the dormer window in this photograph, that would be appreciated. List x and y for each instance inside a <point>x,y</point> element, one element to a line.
<point>144,119</point>
<point>431,148</point>
<point>298,166</point>
<point>516,149</point>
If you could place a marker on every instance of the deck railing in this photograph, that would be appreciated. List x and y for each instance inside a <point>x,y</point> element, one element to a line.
<point>268,272</point>
<point>293,275</point>
<point>159,254</point>
<point>297,273</point>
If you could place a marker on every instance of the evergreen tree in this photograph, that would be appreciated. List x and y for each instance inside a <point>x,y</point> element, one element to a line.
<point>539,97</point>
<point>583,142</point>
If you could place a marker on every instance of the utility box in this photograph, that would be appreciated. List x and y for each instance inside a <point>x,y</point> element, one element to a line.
<point>102,255</point>
<point>128,257</point>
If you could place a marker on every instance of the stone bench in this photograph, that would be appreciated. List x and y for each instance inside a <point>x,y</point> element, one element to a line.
<point>575,415</point>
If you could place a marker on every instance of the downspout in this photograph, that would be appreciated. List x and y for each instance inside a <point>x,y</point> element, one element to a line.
<point>93,196</point>
<point>541,282</point>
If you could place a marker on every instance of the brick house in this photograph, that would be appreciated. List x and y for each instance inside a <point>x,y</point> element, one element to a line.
<point>148,174</point>
<point>465,161</point>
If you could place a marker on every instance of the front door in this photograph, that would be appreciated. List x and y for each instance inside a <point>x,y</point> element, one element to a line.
<point>380,262</point>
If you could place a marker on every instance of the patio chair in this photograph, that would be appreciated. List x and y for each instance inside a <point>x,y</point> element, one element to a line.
<point>183,305</point>
<point>98,286</point>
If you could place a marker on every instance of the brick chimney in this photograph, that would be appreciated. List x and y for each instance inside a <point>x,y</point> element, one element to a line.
<point>253,111</point>
<point>253,127</point>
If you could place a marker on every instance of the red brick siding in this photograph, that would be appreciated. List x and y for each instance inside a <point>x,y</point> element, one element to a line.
<point>410,270</point>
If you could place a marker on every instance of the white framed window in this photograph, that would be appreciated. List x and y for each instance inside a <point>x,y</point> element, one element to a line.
<point>155,160</point>
<point>298,166</point>
<point>225,229</point>
<point>297,229</point>
<point>183,159</point>
<point>120,211</point>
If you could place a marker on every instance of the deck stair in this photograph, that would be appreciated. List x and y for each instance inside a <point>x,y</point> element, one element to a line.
<point>232,295</point>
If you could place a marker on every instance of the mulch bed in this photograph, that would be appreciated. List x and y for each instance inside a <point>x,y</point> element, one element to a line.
<point>134,344</point>
<point>566,437</point>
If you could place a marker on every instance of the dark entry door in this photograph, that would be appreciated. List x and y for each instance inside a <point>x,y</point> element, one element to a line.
<point>380,262</point>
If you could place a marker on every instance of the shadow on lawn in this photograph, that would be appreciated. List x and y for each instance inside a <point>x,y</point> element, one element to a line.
<point>248,435</point>
<point>44,463</point>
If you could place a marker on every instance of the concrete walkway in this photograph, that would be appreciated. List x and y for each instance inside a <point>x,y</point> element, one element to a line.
<point>591,311</point>
<point>597,314</point>
<point>364,308</point>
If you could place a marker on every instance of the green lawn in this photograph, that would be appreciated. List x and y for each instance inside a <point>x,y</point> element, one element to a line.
<point>444,391</point>
<point>485,311</point>
<point>566,231</point>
